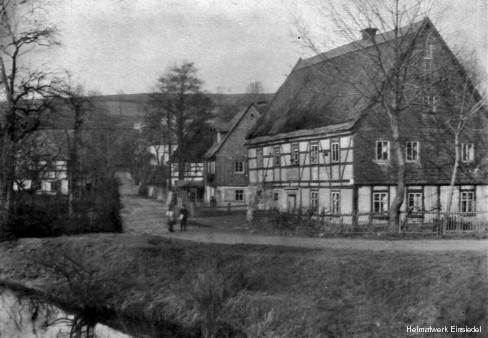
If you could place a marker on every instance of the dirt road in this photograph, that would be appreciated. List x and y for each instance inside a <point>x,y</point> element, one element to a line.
<point>147,216</point>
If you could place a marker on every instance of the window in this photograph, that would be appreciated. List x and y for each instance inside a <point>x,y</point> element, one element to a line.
<point>429,51</point>
<point>314,153</point>
<point>238,167</point>
<point>294,154</point>
<point>382,150</point>
<point>430,102</point>
<point>211,167</point>
<point>276,157</point>
<point>412,151</point>
<point>336,203</point>
<point>276,196</point>
<point>314,199</point>
<point>335,151</point>
<point>259,158</point>
<point>414,201</point>
<point>55,186</point>
<point>467,152</point>
<point>467,201</point>
<point>239,195</point>
<point>380,202</point>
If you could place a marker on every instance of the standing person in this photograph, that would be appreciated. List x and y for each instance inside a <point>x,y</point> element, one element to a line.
<point>171,218</point>
<point>183,217</point>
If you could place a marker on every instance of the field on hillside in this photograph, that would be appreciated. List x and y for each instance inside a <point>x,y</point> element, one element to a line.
<point>256,291</point>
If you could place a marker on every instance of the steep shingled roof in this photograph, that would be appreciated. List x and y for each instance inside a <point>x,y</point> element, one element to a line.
<point>233,124</point>
<point>328,89</point>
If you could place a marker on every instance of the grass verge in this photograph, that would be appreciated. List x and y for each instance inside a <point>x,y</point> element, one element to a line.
<point>259,291</point>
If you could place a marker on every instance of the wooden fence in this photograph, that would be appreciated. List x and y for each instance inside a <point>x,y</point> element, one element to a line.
<point>424,222</point>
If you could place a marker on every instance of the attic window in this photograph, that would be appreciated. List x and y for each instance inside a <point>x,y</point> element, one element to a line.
<point>382,150</point>
<point>467,152</point>
<point>429,51</point>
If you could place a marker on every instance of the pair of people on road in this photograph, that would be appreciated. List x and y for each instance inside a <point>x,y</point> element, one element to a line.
<point>172,219</point>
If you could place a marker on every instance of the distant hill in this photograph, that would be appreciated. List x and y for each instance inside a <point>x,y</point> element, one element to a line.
<point>124,110</point>
<point>133,106</point>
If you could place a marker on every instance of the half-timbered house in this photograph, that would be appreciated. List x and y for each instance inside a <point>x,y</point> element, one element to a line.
<point>322,145</point>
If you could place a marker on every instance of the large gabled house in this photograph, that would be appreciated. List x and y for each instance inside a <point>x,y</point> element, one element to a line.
<point>226,170</point>
<point>322,145</point>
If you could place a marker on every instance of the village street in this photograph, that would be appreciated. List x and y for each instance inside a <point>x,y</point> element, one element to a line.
<point>142,215</point>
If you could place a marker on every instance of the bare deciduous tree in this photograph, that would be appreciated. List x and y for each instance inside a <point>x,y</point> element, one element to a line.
<point>28,92</point>
<point>464,100</point>
<point>395,68</point>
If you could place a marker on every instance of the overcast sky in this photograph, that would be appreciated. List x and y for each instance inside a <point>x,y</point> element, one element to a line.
<point>117,46</point>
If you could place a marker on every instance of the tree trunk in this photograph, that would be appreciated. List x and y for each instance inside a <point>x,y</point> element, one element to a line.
<point>453,181</point>
<point>454,173</point>
<point>396,204</point>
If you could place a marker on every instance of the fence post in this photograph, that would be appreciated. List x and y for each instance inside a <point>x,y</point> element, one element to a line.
<point>444,223</point>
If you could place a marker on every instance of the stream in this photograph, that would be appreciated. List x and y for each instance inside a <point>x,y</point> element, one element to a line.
<point>27,317</point>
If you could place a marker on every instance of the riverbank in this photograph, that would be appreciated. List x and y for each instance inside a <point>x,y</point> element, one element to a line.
<point>255,289</point>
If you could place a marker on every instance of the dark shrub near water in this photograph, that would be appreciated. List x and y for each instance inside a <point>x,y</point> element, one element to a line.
<point>47,215</point>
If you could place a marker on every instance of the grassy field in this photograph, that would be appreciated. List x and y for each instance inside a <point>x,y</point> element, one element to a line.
<point>189,289</point>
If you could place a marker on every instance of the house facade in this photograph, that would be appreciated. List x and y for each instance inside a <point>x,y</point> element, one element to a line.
<point>42,165</point>
<point>321,146</point>
<point>226,165</point>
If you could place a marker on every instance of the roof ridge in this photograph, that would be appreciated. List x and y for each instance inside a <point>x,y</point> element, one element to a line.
<point>358,44</point>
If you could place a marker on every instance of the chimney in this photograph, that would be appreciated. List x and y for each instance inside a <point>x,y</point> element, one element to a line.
<point>369,33</point>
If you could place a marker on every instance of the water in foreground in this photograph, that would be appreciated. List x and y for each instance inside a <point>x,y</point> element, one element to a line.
<point>27,317</point>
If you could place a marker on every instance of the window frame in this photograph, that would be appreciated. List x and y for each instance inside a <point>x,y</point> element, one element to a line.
<point>314,153</point>
<point>276,156</point>
<point>335,202</point>
<point>467,149</point>
<point>415,194</point>
<point>467,203</point>
<point>259,158</point>
<point>374,201</point>
<point>239,195</point>
<point>239,165</point>
<point>294,154</point>
<point>382,143</point>
<point>314,199</point>
<point>335,151</point>
<point>415,152</point>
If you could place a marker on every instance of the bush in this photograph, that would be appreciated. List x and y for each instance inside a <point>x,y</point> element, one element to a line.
<point>47,216</point>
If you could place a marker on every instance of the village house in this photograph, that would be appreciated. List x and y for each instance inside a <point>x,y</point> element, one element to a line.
<point>44,166</point>
<point>226,171</point>
<point>320,145</point>
<point>198,140</point>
